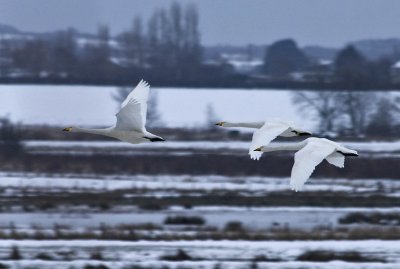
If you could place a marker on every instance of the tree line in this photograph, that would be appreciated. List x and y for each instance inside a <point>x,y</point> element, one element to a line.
<point>164,49</point>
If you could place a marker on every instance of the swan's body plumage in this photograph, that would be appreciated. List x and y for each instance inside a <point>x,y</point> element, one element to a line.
<point>131,119</point>
<point>311,152</point>
<point>266,132</point>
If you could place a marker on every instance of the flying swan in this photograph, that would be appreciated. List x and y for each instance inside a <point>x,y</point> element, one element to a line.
<point>311,152</point>
<point>131,119</point>
<point>266,132</point>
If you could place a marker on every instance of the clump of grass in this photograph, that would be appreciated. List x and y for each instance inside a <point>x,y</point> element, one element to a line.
<point>185,220</point>
<point>234,226</point>
<point>99,266</point>
<point>151,206</point>
<point>374,218</point>
<point>15,254</point>
<point>44,256</point>
<point>96,255</point>
<point>325,256</point>
<point>135,266</point>
<point>264,258</point>
<point>180,255</point>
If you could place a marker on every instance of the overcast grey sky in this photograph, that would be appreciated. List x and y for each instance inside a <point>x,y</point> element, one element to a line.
<point>321,22</point>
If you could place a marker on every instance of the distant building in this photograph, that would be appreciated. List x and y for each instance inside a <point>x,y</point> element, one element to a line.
<point>240,63</point>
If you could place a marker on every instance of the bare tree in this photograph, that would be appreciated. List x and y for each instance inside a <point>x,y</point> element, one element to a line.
<point>133,43</point>
<point>357,107</point>
<point>103,34</point>
<point>384,120</point>
<point>10,138</point>
<point>320,106</point>
<point>351,113</point>
<point>153,116</point>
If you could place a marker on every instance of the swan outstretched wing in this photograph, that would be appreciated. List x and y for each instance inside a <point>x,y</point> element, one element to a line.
<point>305,161</point>
<point>263,136</point>
<point>132,115</point>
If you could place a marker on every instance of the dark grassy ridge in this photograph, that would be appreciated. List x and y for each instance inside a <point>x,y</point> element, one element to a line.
<point>103,201</point>
<point>325,256</point>
<point>218,163</point>
<point>154,233</point>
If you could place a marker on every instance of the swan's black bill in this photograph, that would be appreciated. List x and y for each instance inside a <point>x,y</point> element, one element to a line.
<point>348,154</point>
<point>301,133</point>
<point>304,133</point>
<point>155,139</point>
<point>258,149</point>
<point>68,129</point>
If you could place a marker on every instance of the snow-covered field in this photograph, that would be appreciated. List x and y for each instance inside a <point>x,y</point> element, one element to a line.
<point>15,184</point>
<point>94,106</point>
<point>205,254</point>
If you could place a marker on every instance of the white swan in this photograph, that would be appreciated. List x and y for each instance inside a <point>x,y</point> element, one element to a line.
<point>267,131</point>
<point>131,119</point>
<point>312,152</point>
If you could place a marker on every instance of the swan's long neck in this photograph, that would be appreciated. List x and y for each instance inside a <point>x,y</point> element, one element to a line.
<point>105,131</point>
<point>286,146</point>
<point>243,124</point>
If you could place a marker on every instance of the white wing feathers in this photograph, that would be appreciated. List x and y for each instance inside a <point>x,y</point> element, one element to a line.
<point>132,115</point>
<point>263,136</point>
<point>140,93</point>
<point>305,161</point>
<point>336,159</point>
